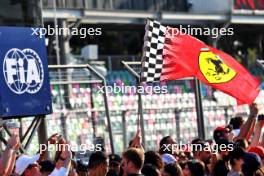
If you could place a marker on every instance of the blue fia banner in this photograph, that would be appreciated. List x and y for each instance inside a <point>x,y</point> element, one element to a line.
<point>24,88</point>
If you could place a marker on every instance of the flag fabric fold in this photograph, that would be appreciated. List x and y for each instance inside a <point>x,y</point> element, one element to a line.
<point>169,54</point>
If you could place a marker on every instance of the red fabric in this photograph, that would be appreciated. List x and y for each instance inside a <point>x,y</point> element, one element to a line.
<point>258,150</point>
<point>181,59</point>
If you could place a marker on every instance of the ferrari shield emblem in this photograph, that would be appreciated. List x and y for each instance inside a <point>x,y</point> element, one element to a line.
<point>213,68</point>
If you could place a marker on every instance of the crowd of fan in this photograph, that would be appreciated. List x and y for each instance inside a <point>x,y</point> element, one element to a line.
<point>244,158</point>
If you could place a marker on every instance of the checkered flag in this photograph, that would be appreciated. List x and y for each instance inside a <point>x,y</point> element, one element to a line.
<point>152,60</point>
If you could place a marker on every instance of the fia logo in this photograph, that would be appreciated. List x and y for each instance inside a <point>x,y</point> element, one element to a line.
<point>23,71</point>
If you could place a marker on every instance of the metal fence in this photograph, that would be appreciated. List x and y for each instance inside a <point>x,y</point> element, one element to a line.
<point>172,113</point>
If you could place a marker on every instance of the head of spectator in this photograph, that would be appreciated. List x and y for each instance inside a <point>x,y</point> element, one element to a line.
<point>98,165</point>
<point>114,165</point>
<point>82,168</point>
<point>132,161</point>
<point>172,170</point>
<point>181,157</point>
<point>196,140</point>
<point>252,163</point>
<point>73,169</point>
<point>46,167</point>
<point>194,168</point>
<point>202,151</point>
<point>236,157</point>
<point>221,133</point>
<point>150,170</point>
<point>153,158</point>
<point>243,143</point>
<point>258,150</point>
<point>224,146</point>
<point>236,123</point>
<point>27,165</point>
<point>185,153</point>
<point>166,145</point>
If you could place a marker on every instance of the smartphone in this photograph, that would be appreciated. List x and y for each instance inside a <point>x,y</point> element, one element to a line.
<point>261,117</point>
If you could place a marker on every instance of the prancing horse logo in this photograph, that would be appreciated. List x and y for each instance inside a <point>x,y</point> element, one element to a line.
<point>213,68</point>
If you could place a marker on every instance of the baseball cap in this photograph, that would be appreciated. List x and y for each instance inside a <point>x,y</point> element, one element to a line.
<point>258,150</point>
<point>24,161</point>
<point>252,162</point>
<point>219,132</point>
<point>114,158</point>
<point>168,159</point>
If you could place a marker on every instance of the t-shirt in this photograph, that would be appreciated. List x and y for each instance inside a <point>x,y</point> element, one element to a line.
<point>234,173</point>
<point>61,172</point>
<point>220,168</point>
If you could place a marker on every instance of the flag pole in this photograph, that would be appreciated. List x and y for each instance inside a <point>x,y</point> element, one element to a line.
<point>140,120</point>
<point>199,108</point>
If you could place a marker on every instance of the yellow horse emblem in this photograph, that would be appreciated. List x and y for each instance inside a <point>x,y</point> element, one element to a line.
<point>213,68</point>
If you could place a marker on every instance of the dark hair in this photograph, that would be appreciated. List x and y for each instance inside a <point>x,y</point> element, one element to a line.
<point>237,153</point>
<point>136,156</point>
<point>96,159</point>
<point>164,140</point>
<point>242,143</point>
<point>46,166</point>
<point>81,166</point>
<point>236,122</point>
<point>196,168</point>
<point>152,157</point>
<point>149,170</point>
<point>252,163</point>
<point>196,140</point>
<point>201,145</point>
<point>173,169</point>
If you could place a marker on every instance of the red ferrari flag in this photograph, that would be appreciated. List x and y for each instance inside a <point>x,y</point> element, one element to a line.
<point>169,54</point>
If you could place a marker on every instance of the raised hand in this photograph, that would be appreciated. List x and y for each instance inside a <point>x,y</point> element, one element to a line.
<point>253,110</point>
<point>136,141</point>
<point>14,142</point>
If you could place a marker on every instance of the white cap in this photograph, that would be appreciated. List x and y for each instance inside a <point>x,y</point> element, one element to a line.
<point>168,159</point>
<point>236,132</point>
<point>24,161</point>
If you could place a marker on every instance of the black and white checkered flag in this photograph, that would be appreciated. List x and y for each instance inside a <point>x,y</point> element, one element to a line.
<point>152,51</point>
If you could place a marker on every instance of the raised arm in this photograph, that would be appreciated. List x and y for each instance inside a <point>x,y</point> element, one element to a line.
<point>7,163</point>
<point>262,141</point>
<point>64,162</point>
<point>248,127</point>
<point>12,164</point>
<point>137,141</point>
<point>256,137</point>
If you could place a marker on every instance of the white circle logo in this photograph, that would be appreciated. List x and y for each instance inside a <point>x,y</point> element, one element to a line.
<point>23,71</point>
